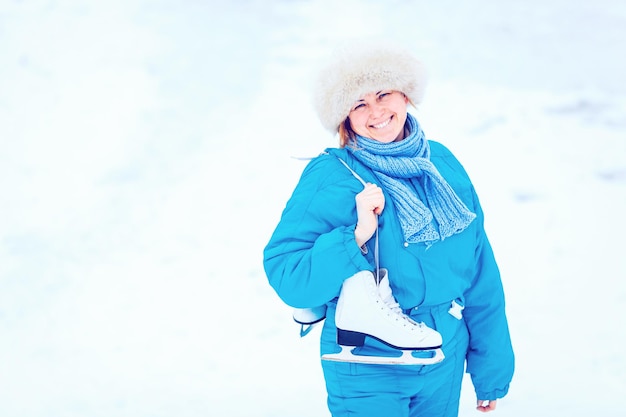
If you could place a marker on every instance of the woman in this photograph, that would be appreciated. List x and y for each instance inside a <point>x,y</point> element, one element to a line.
<point>420,208</point>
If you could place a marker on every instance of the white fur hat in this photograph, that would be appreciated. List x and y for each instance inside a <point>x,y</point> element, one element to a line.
<point>358,69</point>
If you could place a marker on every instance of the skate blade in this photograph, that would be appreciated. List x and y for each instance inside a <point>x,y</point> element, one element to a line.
<point>305,328</point>
<point>346,355</point>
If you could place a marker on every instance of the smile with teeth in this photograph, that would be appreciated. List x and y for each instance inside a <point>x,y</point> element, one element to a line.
<point>383,124</point>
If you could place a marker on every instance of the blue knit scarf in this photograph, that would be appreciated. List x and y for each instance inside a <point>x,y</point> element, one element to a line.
<point>404,166</point>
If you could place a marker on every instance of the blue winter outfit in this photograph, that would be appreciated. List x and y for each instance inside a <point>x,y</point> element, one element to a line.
<point>313,250</point>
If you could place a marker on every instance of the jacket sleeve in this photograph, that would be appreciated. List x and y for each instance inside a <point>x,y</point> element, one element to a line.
<point>490,358</point>
<point>313,249</point>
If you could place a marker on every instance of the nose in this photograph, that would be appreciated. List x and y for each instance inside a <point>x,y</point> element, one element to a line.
<point>376,110</point>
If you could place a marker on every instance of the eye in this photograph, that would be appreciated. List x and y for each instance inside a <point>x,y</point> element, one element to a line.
<point>384,95</point>
<point>359,106</point>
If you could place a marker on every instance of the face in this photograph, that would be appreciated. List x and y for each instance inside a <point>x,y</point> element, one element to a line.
<point>380,116</point>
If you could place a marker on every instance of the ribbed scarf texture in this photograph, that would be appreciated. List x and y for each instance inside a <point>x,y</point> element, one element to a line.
<point>404,166</point>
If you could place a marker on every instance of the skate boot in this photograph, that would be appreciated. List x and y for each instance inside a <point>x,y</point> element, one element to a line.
<point>308,318</point>
<point>366,308</point>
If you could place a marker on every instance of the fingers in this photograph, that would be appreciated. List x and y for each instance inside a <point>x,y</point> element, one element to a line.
<point>369,203</point>
<point>485,405</point>
<point>371,198</point>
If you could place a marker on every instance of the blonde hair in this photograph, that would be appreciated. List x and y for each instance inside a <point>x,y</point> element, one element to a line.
<point>346,134</point>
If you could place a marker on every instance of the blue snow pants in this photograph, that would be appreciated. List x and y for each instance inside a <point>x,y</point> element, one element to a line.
<point>366,390</point>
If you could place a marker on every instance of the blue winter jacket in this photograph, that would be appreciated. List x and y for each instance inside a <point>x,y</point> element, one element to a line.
<point>313,250</point>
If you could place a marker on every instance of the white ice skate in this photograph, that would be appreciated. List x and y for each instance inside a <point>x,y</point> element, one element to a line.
<point>366,308</point>
<point>308,318</point>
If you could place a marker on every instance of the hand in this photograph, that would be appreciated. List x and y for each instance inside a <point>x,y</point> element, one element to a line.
<point>486,405</point>
<point>369,204</point>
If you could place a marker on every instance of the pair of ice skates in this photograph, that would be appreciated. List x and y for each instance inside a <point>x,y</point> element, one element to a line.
<point>367,307</point>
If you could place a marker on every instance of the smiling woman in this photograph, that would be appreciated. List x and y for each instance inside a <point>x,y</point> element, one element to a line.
<point>436,302</point>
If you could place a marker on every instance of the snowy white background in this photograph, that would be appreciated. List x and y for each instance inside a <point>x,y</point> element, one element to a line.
<point>146,157</point>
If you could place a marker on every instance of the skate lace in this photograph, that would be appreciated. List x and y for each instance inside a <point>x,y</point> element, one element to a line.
<point>393,305</point>
<point>386,295</point>
<point>391,302</point>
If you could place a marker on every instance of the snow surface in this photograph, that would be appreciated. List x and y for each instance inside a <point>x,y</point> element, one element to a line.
<point>146,157</point>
